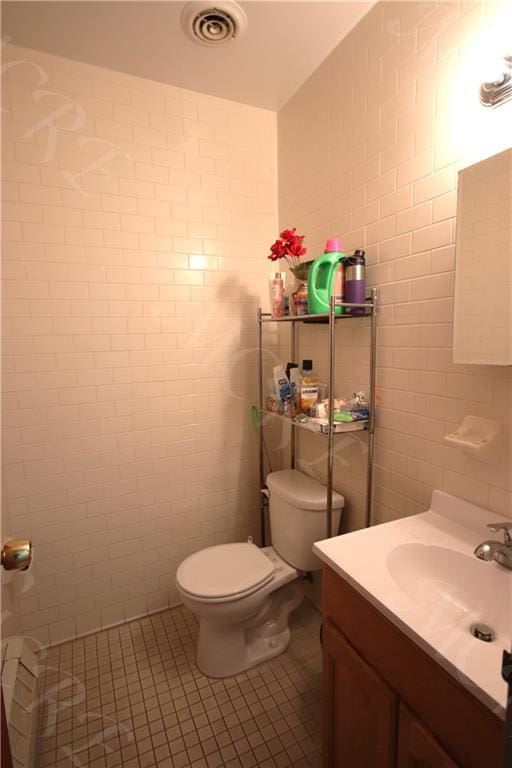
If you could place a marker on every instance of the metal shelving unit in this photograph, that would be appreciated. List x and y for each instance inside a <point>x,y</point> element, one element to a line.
<point>331,319</point>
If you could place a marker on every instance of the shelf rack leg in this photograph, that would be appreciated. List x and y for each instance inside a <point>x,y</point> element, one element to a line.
<point>293,431</point>
<point>330,437</point>
<point>260,430</point>
<point>371,425</point>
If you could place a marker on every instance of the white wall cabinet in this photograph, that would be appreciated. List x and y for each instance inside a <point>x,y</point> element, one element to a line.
<point>482,333</point>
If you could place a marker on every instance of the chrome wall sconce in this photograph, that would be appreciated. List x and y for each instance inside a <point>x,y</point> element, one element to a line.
<point>498,91</point>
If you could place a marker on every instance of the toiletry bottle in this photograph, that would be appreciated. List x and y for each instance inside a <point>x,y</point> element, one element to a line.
<point>355,285</point>
<point>323,391</point>
<point>322,277</point>
<point>296,382</point>
<point>282,387</point>
<point>277,294</point>
<point>292,369</point>
<point>308,389</point>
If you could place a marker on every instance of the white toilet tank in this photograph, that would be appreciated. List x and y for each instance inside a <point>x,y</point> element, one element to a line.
<point>298,516</point>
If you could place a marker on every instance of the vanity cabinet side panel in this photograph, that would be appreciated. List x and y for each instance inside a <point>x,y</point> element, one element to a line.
<point>463,725</point>
<point>360,710</point>
<point>417,748</point>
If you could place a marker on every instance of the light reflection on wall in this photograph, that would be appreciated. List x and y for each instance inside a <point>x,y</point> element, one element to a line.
<point>197,262</point>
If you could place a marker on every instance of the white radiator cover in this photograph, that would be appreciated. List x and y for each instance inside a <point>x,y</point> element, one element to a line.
<point>21,693</point>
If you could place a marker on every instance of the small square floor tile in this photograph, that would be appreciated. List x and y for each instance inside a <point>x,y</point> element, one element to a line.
<point>132,697</point>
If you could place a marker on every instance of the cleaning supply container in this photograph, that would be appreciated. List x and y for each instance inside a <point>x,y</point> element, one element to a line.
<point>325,277</point>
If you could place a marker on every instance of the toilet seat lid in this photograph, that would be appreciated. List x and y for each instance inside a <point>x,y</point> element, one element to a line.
<point>226,570</point>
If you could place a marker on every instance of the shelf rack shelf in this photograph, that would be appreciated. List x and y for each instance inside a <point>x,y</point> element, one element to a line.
<point>266,317</point>
<point>331,319</point>
<point>309,427</point>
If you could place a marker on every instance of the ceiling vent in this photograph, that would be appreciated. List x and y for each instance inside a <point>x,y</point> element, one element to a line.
<point>217,24</point>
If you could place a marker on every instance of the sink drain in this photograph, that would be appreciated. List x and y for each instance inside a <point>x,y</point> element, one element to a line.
<point>482,632</point>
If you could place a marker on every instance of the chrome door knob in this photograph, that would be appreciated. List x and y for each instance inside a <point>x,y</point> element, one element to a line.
<point>16,555</point>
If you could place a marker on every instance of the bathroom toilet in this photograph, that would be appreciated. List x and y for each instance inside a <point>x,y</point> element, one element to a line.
<point>243,595</point>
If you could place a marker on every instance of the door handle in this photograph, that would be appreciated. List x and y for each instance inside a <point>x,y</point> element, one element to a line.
<point>16,555</point>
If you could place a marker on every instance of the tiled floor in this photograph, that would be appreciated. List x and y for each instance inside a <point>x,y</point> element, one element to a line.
<point>132,696</point>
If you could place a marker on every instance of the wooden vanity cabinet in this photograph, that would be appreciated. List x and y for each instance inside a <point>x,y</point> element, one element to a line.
<point>361,708</point>
<point>387,704</point>
<point>417,748</point>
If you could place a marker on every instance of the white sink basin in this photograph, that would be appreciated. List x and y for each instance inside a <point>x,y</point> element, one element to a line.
<point>422,574</point>
<point>454,587</point>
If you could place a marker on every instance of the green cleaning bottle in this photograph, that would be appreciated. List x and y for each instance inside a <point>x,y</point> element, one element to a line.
<point>326,277</point>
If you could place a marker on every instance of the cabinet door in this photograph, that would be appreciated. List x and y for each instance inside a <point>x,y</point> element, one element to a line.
<point>360,711</point>
<point>417,748</point>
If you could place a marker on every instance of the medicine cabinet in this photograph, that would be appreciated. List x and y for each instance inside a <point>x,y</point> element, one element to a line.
<point>482,326</point>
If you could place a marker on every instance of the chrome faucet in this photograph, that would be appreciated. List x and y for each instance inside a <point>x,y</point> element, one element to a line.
<point>499,551</point>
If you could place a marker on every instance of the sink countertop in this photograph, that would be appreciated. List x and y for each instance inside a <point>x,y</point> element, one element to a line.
<point>421,573</point>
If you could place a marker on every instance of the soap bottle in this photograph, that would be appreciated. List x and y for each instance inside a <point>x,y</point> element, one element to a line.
<point>326,276</point>
<point>308,389</point>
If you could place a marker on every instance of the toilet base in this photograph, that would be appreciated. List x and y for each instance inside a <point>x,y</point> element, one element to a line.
<point>228,649</point>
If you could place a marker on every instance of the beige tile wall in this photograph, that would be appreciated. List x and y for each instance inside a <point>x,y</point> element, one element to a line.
<point>137,217</point>
<point>369,149</point>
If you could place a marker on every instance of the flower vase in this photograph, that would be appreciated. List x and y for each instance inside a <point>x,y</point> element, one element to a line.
<point>299,293</point>
<point>299,298</point>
